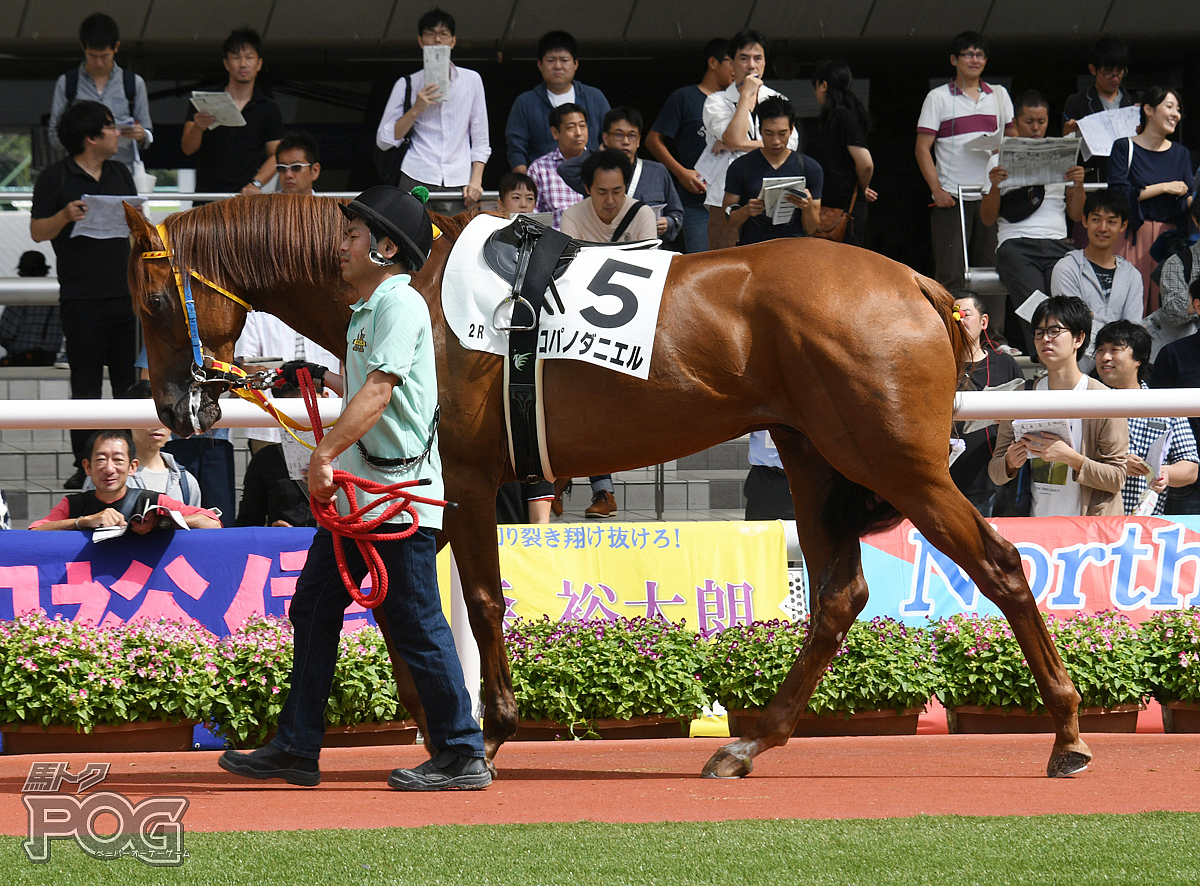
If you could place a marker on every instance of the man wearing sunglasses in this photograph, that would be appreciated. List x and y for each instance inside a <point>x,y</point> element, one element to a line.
<point>298,163</point>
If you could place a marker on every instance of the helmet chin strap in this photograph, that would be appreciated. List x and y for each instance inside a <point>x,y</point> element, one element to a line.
<point>376,256</point>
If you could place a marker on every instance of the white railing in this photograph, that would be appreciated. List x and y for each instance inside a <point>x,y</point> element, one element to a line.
<point>28,291</point>
<point>187,196</point>
<point>29,414</point>
<point>94,414</point>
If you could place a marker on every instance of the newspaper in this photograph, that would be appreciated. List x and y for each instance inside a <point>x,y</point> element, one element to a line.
<point>1051,427</point>
<point>105,217</point>
<point>1025,311</point>
<point>1101,129</point>
<point>780,211</point>
<point>711,167</point>
<point>1154,464</point>
<point>1037,161</point>
<point>1163,332</point>
<point>970,426</point>
<point>437,70</point>
<point>989,142</point>
<point>220,105</point>
<point>957,448</point>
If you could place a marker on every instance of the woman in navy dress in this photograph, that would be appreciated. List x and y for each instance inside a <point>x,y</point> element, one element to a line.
<point>1155,174</point>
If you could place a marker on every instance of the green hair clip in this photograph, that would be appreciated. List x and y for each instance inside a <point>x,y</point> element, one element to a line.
<point>421,193</point>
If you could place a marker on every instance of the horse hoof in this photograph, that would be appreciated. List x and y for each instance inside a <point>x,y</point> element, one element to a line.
<point>491,766</point>
<point>1066,763</point>
<point>724,764</point>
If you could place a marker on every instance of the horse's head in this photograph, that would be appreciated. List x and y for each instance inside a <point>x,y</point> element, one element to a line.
<point>184,406</point>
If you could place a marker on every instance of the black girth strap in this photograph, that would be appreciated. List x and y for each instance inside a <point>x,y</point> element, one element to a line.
<point>522,352</point>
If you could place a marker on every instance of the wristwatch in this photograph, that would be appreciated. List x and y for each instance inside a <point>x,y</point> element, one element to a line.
<point>729,210</point>
<point>256,183</point>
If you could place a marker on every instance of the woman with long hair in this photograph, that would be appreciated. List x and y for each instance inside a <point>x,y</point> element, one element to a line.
<point>1155,174</point>
<point>840,146</point>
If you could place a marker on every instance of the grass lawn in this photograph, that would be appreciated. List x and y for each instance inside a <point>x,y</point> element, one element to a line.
<point>1153,848</point>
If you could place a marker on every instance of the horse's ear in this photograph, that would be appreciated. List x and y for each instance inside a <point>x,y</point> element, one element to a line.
<point>143,232</point>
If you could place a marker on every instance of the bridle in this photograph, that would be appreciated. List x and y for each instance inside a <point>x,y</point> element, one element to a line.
<point>206,369</point>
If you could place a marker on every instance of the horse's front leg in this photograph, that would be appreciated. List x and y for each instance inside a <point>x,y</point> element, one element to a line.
<point>471,529</point>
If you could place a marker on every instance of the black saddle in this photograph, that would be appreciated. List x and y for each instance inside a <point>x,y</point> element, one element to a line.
<point>502,250</point>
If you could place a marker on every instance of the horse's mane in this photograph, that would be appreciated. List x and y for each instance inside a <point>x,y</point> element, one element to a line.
<point>255,242</point>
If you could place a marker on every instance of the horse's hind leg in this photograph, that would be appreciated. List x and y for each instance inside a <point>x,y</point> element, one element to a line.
<point>949,522</point>
<point>839,594</point>
<point>406,689</point>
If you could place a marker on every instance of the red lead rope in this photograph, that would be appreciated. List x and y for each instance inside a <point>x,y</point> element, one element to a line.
<point>352,525</point>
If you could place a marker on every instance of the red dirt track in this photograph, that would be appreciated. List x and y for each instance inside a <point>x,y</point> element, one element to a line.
<point>657,780</point>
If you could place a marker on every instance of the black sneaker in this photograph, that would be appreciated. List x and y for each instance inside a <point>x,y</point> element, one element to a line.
<point>447,771</point>
<point>75,481</point>
<point>270,762</point>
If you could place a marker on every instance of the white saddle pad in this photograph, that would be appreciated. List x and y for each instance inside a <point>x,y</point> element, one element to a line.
<point>611,294</point>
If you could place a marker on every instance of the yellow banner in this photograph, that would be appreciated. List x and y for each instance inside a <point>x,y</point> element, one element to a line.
<point>708,575</point>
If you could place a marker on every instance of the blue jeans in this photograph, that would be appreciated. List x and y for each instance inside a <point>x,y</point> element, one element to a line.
<point>695,228</point>
<point>413,610</point>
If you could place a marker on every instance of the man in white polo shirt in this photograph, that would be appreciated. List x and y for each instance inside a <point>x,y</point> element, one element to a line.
<point>953,115</point>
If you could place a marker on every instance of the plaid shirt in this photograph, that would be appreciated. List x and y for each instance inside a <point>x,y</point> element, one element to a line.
<point>1174,289</point>
<point>553,194</point>
<point>1181,447</point>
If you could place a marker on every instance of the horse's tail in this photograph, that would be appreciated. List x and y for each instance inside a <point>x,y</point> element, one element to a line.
<point>943,303</point>
<point>853,510</point>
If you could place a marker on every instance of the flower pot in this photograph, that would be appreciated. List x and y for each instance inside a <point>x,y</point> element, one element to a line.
<point>605,727</point>
<point>974,719</point>
<point>1181,716</point>
<point>124,738</point>
<point>810,725</point>
<point>364,735</point>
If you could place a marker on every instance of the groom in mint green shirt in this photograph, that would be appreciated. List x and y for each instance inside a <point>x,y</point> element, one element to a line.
<point>387,432</point>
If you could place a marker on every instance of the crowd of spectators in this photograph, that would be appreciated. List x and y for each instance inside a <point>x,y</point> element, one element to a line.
<point>1112,256</point>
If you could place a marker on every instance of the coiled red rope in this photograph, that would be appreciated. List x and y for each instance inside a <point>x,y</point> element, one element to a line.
<point>352,526</point>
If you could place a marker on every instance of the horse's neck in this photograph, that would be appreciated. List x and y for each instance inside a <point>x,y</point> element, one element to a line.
<point>312,310</point>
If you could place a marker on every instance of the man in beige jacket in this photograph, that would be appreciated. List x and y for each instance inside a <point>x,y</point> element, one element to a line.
<point>1082,476</point>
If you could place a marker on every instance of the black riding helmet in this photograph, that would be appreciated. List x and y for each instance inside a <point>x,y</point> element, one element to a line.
<point>398,215</point>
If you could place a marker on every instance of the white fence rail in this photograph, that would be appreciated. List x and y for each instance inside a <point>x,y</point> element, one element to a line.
<point>36,414</point>
<point>92,414</point>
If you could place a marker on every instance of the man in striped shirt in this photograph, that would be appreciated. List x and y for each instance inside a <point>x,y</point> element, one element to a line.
<point>953,115</point>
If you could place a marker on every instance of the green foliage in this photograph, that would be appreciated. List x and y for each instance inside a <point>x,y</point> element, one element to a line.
<point>576,671</point>
<point>882,665</point>
<point>980,663</point>
<point>1172,641</point>
<point>256,663</point>
<point>58,672</point>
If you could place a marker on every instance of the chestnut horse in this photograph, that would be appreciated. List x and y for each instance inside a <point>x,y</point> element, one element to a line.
<point>849,359</point>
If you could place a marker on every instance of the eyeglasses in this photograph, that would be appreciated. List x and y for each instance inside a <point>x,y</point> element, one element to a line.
<point>1050,333</point>
<point>619,136</point>
<point>440,35</point>
<point>973,53</point>
<point>294,168</point>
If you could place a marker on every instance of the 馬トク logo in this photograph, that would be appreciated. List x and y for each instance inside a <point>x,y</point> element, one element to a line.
<point>151,831</point>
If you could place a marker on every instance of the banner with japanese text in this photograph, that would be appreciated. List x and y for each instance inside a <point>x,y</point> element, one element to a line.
<point>1137,565</point>
<point>707,574</point>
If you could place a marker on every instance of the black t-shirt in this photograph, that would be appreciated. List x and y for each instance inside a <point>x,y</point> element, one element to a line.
<point>230,156</point>
<point>1105,276</point>
<point>829,147</point>
<point>87,268</point>
<point>682,120</point>
<point>84,504</point>
<point>745,178</point>
<point>995,369</point>
<point>270,494</point>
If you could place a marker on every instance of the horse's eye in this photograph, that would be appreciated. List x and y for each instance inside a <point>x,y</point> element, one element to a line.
<point>155,302</point>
